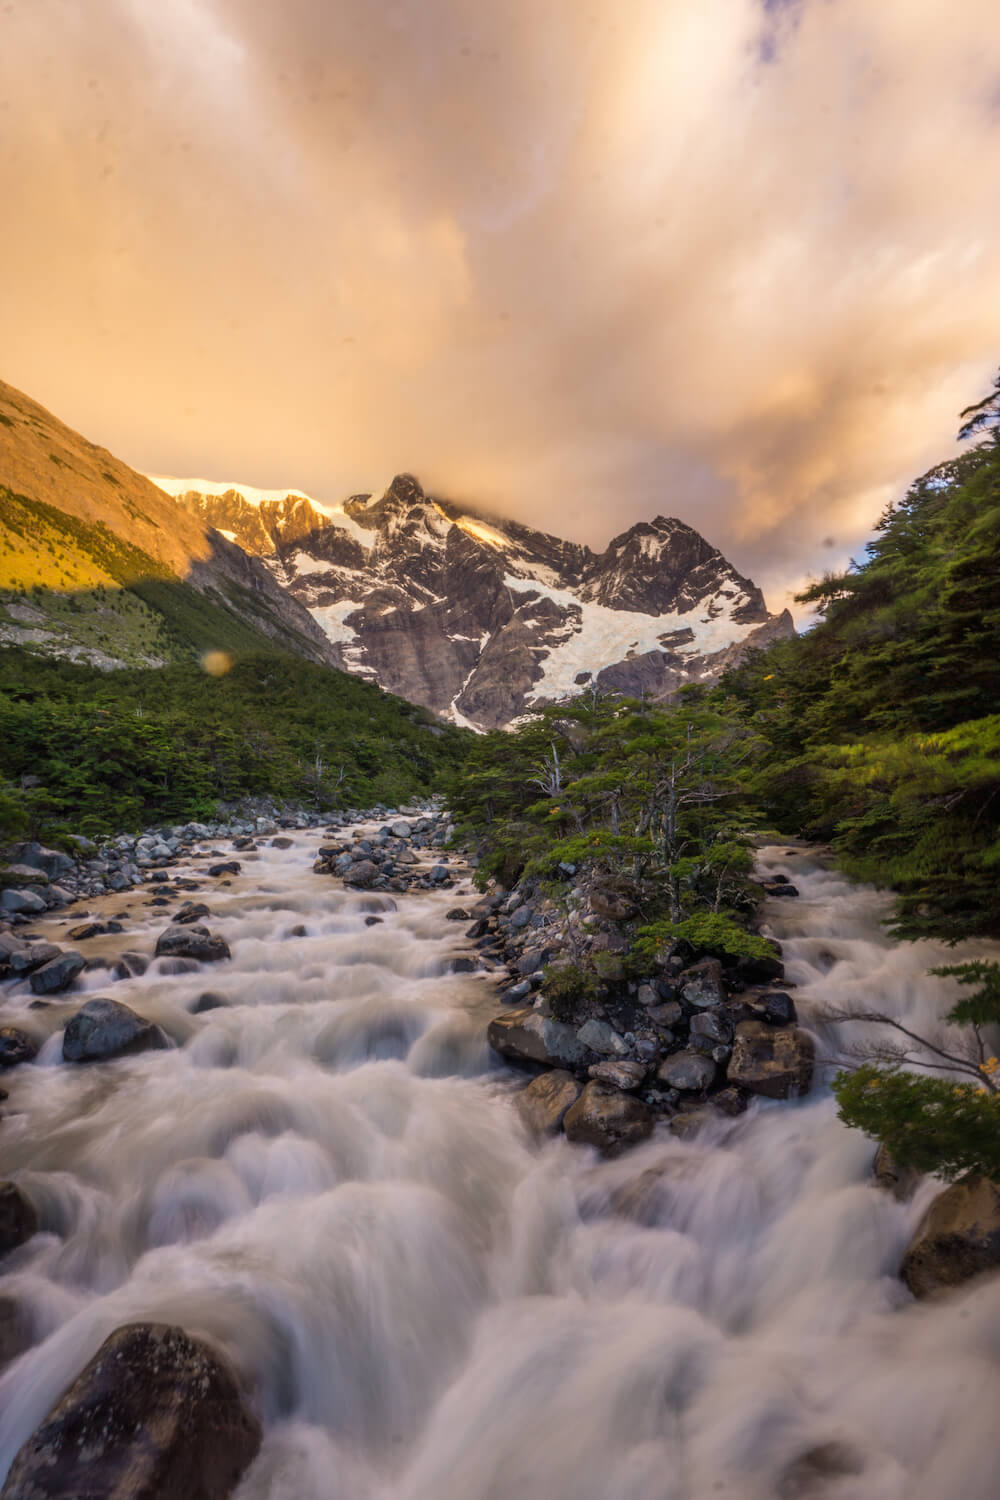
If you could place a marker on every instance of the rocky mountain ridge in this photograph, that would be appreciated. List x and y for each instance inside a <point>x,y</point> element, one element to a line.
<point>481,619</point>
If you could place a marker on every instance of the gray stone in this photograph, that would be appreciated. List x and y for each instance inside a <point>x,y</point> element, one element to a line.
<point>155,1415</point>
<point>190,912</point>
<point>622,1075</point>
<point>21,875</point>
<point>712,1026</point>
<point>16,1047</point>
<point>29,902</point>
<point>58,974</point>
<point>602,1038</point>
<point>701,984</point>
<point>525,1035</point>
<point>104,1029</point>
<point>52,861</point>
<point>30,956</point>
<point>773,1006</point>
<point>543,1104</point>
<point>774,1061</point>
<point>608,1119</point>
<point>957,1239</point>
<point>400,829</point>
<point>690,1072</point>
<point>362,873</point>
<point>18,1219</point>
<point>194,942</point>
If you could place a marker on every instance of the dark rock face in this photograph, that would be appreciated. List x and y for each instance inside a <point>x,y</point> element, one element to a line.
<point>543,1104</point>
<point>193,941</point>
<point>156,1415</point>
<point>901,1182</point>
<point>18,1219</point>
<point>958,1238</point>
<point>16,1046</point>
<point>607,1119</point>
<point>775,1062</point>
<point>104,1029</point>
<point>468,614</point>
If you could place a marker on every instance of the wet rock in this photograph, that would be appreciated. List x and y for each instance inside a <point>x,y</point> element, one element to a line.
<point>762,969</point>
<point>195,942</point>
<point>518,992</point>
<point>16,1046</point>
<point>457,914</point>
<point>86,930</point>
<point>957,1238</point>
<point>731,1101</point>
<point>156,1415</point>
<point>18,1219</point>
<point>191,911</point>
<point>362,874</point>
<point>31,956</point>
<point>810,1476</point>
<point>463,965</point>
<point>775,1062</point>
<point>691,1072</point>
<point>135,963</point>
<point>773,1006</point>
<point>439,874</point>
<point>58,974</point>
<point>901,1182</point>
<point>209,1000</point>
<point>602,1038</point>
<point>525,1035</point>
<point>374,921</point>
<point>103,1029</point>
<point>400,829</point>
<point>622,1075</point>
<point>282,842</point>
<point>543,1104</point>
<point>701,984</point>
<point>225,867</point>
<point>534,961</point>
<point>608,1119</point>
<point>712,1028</point>
<point>15,1330</point>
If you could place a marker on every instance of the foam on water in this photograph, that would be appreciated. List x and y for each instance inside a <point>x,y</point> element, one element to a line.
<point>327,1176</point>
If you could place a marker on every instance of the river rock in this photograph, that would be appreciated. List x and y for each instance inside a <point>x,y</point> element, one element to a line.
<point>361,873</point>
<point>52,862</point>
<point>15,1330</point>
<point>701,984</point>
<point>690,1072</point>
<point>957,1238</point>
<point>21,875</point>
<point>58,974</point>
<point>543,1104</point>
<point>400,829</point>
<point>775,1062</point>
<point>87,930</point>
<point>191,911</point>
<point>525,1035</point>
<point>773,1006</point>
<point>225,867</point>
<point>156,1415</point>
<point>605,1118</point>
<point>16,1046</point>
<point>194,942</point>
<point>18,1219</point>
<point>602,1038</point>
<point>712,1028</point>
<point>26,901</point>
<point>104,1029</point>
<point>619,1074</point>
<point>29,956</point>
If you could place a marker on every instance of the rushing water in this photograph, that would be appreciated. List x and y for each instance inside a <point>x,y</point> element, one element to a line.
<point>328,1177</point>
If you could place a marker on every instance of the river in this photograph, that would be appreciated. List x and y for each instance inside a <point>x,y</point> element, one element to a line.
<point>327,1175</point>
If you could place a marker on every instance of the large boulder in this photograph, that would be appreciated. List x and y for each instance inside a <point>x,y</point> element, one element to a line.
<point>18,1219</point>
<point>901,1182</point>
<point>189,913</point>
<point>21,875</point>
<point>156,1415</point>
<point>602,1038</point>
<point>104,1029</point>
<point>193,941</point>
<point>605,1118</point>
<point>52,862</point>
<point>58,974</point>
<point>543,1104</point>
<point>25,901</point>
<point>362,874</point>
<point>525,1035</point>
<point>26,957</point>
<point>957,1238</point>
<point>774,1061</point>
<point>16,1046</point>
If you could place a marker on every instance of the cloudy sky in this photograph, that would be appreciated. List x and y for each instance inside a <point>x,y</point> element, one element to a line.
<point>579,261</point>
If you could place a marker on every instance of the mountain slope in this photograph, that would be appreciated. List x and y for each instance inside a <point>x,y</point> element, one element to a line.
<point>119,575</point>
<point>481,619</point>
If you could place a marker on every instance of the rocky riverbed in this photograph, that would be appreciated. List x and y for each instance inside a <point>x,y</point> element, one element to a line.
<point>257,1142</point>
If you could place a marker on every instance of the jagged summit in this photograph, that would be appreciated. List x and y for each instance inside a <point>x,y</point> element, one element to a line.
<point>481,618</point>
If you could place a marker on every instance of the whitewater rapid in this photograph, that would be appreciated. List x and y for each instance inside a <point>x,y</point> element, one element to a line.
<point>327,1175</point>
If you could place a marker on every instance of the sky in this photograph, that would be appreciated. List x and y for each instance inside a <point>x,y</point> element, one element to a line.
<point>577,262</point>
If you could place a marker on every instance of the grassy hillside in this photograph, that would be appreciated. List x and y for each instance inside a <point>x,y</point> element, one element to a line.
<point>92,752</point>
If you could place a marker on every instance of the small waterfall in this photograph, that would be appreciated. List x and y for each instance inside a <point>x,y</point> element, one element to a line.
<point>327,1175</point>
